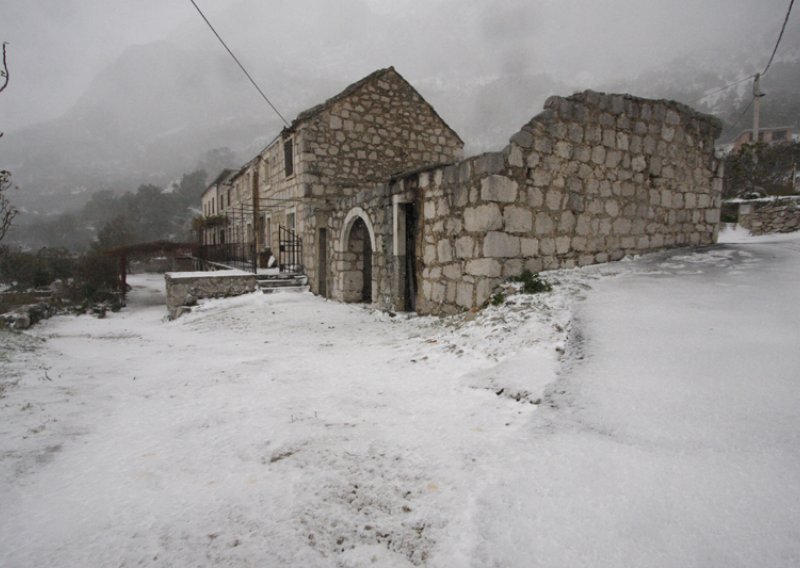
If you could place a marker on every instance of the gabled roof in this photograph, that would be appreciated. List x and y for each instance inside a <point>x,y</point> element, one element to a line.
<point>221,178</point>
<point>374,76</point>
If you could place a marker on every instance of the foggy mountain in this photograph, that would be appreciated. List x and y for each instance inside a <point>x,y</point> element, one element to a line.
<point>152,114</point>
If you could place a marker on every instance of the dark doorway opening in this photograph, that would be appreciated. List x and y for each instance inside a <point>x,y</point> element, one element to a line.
<point>410,284</point>
<point>322,265</point>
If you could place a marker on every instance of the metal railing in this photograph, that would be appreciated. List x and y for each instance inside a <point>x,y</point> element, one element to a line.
<point>290,251</point>
<point>236,255</point>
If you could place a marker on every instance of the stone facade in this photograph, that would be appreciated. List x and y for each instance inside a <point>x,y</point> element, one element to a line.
<point>769,215</point>
<point>373,129</point>
<point>185,288</point>
<point>373,182</point>
<point>593,178</point>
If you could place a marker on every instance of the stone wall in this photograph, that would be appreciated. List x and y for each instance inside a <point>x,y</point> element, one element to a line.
<point>373,207</point>
<point>769,215</point>
<point>375,128</point>
<point>185,288</point>
<point>593,178</point>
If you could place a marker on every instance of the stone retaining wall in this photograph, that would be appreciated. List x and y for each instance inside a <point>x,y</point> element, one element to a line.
<point>185,288</point>
<point>769,215</point>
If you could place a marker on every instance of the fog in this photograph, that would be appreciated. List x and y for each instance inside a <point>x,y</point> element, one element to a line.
<point>58,46</point>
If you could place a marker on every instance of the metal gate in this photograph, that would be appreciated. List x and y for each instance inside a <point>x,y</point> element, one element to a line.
<point>290,251</point>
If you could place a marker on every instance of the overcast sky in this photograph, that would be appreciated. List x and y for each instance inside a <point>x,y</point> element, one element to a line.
<point>58,46</point>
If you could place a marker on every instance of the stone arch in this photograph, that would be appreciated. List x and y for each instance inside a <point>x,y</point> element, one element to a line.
<point>357,248</point>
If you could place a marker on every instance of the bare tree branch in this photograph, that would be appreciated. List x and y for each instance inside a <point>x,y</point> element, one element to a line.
<point>7,211</point>
<point>4,72</point>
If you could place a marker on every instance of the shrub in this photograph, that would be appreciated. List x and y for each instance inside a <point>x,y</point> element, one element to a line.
<point>531,283</point>
<point>498,298</point>
<point>95,278</point>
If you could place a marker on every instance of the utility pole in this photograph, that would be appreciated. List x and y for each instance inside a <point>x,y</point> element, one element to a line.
<point>757,94</point>
<point>256,214</point>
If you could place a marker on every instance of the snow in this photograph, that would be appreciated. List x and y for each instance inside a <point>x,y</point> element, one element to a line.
<point>643,413</point>
<point>208,274</point>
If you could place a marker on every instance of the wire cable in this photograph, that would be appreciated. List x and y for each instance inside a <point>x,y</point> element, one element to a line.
<point>239,63</point>
<point>780,36</point>
<point>728,86</point>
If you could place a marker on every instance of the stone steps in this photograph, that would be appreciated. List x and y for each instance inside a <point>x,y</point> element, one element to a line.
<point>282,283</point>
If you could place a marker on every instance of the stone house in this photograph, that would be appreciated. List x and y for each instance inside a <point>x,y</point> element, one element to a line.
<point>769,136</point>
<point>376,127</point>
<point>212,204</point>
<point>389,213</point>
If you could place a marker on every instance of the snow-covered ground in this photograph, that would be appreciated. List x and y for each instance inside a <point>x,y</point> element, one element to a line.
<point>642,414</point>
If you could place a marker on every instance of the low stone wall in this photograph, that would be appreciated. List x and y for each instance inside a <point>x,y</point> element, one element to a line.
<point>769,215</point>
<point>185,288</point>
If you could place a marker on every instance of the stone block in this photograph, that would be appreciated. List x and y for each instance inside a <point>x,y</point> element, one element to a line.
<point>547,246</point>
<point>483,218</point>
<point>598,155</point>
<point>563,150</point>
<point>562,245</point>
<point>567,222</point>
<point>484,289</point>
<point>523,139</point>
<point>484,267</point>
<point>501,245</point>
<point>544,224</point>
<point>465,247</point>
<point>517,219</point>
<point>535,197</point>
<point>529,247</point>
<point>453,271</point>
<point>639,164</point>
<point>464,295</point>
<point>515,158</point>
<point>499,188</point>
<point>490,163</point>
<point>444,251</point>
<point>429,255</point>
<point>553,199</point>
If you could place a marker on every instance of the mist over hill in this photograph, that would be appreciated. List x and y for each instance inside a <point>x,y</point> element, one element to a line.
<point>153,113</point>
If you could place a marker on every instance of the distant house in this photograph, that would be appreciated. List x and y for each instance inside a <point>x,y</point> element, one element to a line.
<point>769,136</point>
<point>212,203</point>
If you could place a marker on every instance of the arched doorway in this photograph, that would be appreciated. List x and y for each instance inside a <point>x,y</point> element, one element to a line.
<point>357,257</point>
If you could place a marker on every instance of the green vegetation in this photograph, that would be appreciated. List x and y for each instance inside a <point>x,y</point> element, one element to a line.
<point>109,219</point>
<point>758,167</point>
<point>532,283</point>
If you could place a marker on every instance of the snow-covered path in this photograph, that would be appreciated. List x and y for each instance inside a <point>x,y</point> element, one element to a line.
<point>672,437</point>
<point>285,430</point>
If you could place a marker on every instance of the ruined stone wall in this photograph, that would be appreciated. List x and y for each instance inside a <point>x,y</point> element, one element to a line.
<point>770,215</point>
<point>593,178</point>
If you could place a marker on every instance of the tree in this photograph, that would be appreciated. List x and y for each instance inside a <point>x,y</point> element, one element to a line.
<point>7,211</point>
<point>116,233</point>
<point>761,167</point>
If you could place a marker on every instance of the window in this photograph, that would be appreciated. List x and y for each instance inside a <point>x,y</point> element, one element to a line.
<point>290,221</point>
<point>779,135</point>
<point>288,156</point>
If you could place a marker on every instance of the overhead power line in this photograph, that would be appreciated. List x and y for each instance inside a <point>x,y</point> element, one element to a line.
<point>238,62</point>
<point>719,90</point>
<point>780,36</point>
